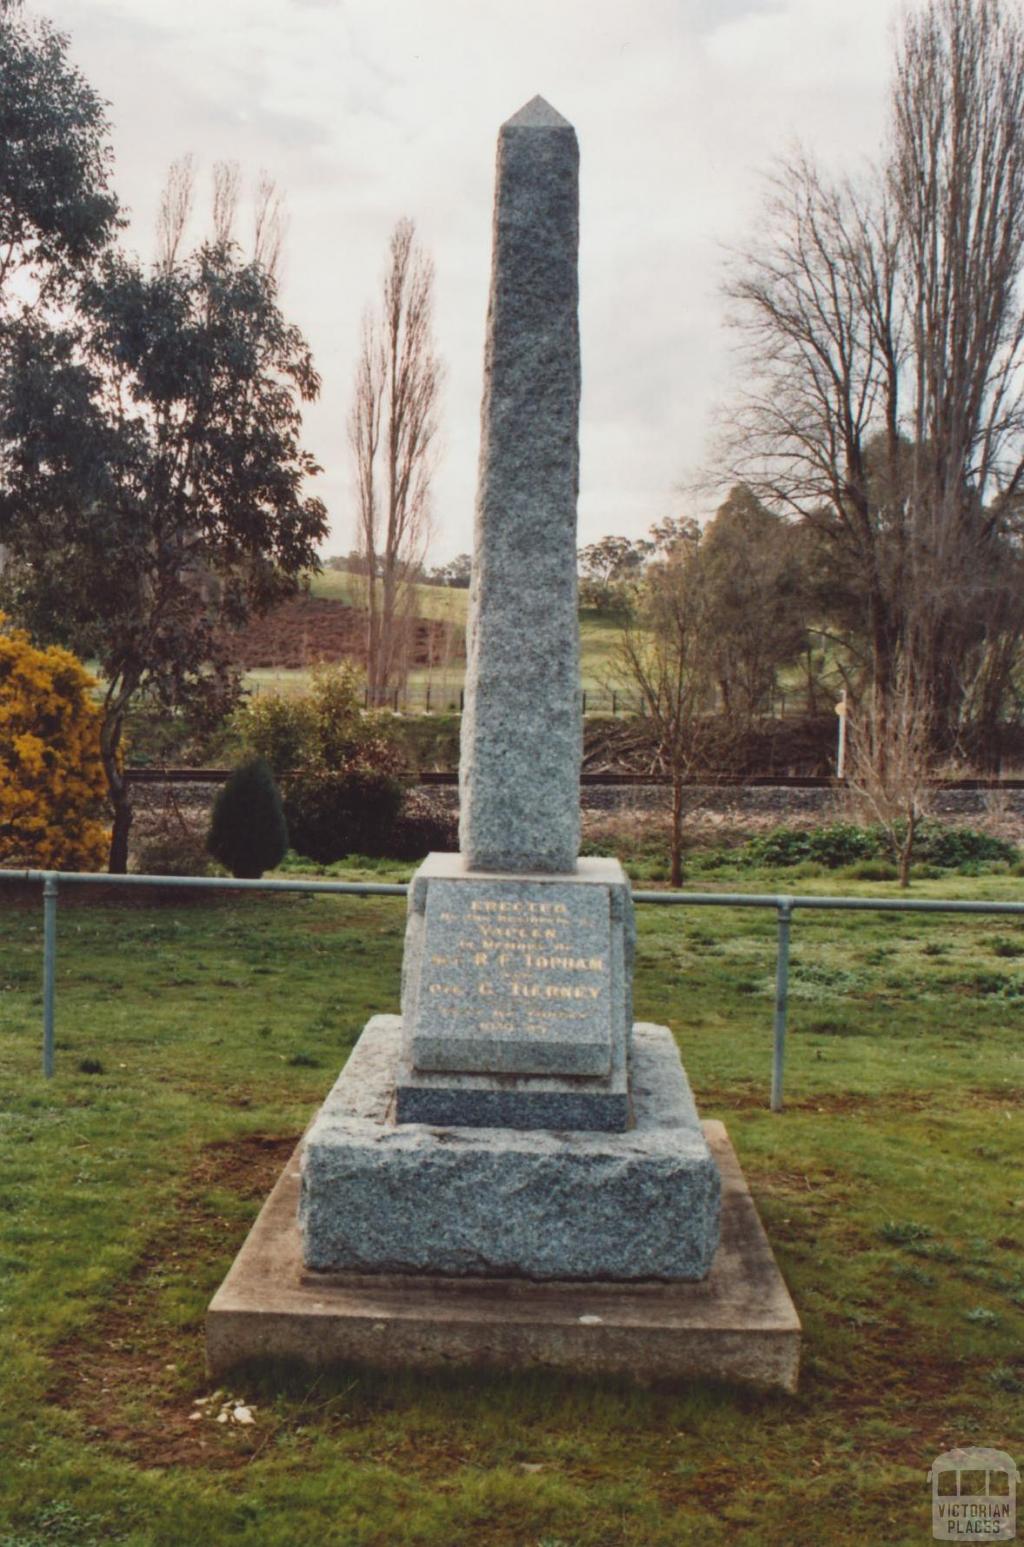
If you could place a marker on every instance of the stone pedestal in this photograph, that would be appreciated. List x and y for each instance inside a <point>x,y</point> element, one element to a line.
<point>510,1122</point>
<point>386,1197</point>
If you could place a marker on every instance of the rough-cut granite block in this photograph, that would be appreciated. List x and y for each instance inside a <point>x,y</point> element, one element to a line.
<point>517,974</point>
<point>384,1198</point>
<point>515,1100</point>
<point>521,724</point>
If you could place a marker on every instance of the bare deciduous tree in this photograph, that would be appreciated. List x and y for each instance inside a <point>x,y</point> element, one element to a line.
<point>889,764</point>
<point>178,200</point>
<point>392,432</point>
<point>665,658</point>
<point>884,332</point>
<point>270,224</point>
<point>176,203</point>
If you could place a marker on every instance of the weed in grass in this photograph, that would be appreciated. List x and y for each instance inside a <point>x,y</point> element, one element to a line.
<point>981,1316</point>
<point>877,955</point>
<point>1005,1378</point>
<point>871,870</point>
<point>935,948</point>
<point>815,982</point>
<point>935,1251</point>
<point>58,1525</point>
<point>914,1275</point>
<point>1000,945</point>
<point>904,1232</point>
<point>836,1028</point>
<point>990,983</point>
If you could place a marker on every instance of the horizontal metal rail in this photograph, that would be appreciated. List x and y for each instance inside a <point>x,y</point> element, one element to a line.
<point>784,905</point>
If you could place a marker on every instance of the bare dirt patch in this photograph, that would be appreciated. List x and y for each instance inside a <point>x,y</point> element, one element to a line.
<point>133,1373</point>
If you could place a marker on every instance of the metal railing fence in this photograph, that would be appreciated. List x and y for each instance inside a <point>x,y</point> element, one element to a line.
<point>785,907</point>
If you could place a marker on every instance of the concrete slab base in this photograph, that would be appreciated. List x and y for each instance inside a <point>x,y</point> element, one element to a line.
<point>737,1325</point>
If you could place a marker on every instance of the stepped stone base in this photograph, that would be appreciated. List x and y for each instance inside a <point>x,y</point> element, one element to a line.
<point>386,1197</point>
<point>557,1102</point>
<point>738,1324</point>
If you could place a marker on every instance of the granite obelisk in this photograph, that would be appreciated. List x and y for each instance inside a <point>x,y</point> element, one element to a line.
<point>510,1172</point>
<point>521,726</point>
<point>510,1122</point>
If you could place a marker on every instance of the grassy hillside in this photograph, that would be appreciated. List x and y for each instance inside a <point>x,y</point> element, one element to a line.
<point>445,603</point>
<point>598,641</point>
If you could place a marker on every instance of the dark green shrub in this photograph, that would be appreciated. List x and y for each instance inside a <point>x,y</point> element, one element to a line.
<point>872,870</point>
<point>952,847</point>
<point>348,811</point>
<point>248,833</point>
<point>324,729</point>
<point>423,826</point>
<point>840,843</point>
<point>171,851</point>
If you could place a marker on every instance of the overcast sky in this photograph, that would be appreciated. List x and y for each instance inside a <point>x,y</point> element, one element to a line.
<point>367,110</point>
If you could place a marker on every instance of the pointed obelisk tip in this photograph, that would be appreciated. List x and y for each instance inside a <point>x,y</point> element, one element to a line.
<point>537,114</point>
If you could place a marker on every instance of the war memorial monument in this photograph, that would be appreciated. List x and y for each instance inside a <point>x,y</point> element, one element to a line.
<point>511,1172</point>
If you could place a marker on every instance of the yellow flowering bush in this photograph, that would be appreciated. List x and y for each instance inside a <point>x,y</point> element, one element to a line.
<point>52,786</point>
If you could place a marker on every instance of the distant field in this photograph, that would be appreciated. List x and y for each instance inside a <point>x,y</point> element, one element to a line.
<point>445,603</point>
<point>599,639</point>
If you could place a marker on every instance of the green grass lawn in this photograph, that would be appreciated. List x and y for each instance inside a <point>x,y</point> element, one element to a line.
<point>892,1188</point>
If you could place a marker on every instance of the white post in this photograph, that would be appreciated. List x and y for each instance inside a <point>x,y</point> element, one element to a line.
<point>841,711</point>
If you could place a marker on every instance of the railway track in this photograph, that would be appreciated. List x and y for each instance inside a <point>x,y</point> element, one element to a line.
<point>608,780</point>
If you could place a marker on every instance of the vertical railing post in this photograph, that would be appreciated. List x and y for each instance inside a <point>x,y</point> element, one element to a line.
<point>49,968</point>
<point>785,915</point>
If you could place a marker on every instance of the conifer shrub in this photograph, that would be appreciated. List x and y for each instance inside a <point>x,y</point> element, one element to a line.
<point>52,785</point>
<point>248,832</point>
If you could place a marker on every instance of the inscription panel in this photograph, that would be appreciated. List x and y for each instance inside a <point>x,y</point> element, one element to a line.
<point>515,977</point>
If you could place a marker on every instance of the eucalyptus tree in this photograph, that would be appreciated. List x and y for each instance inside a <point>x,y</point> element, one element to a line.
<point>153,481</point>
